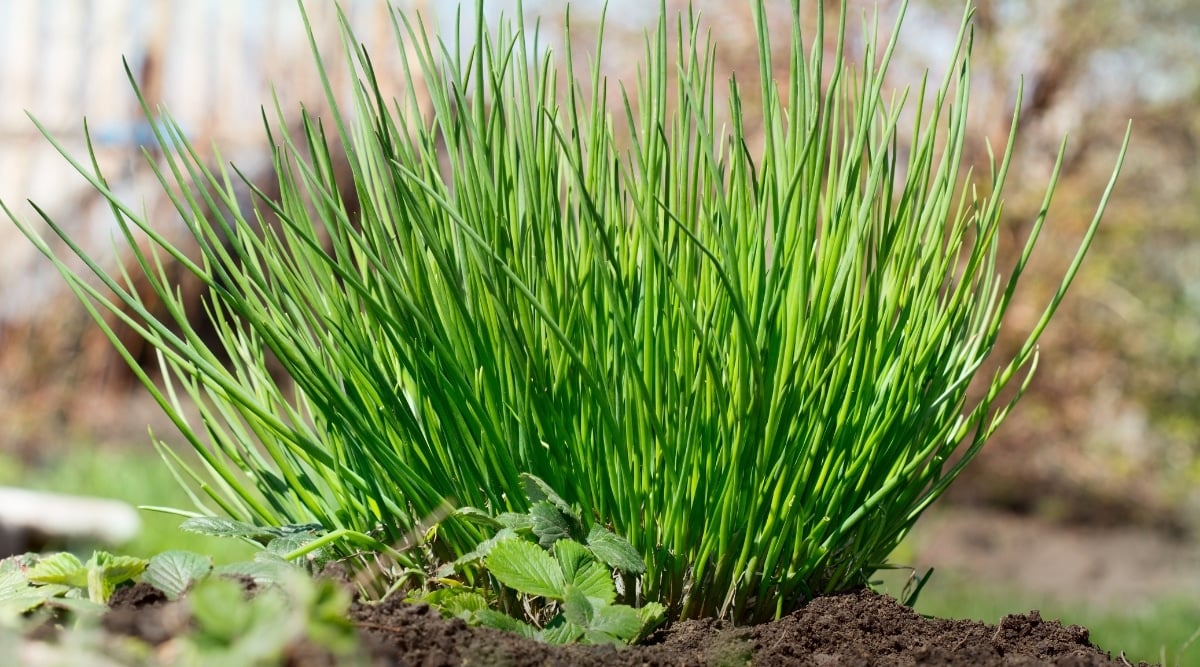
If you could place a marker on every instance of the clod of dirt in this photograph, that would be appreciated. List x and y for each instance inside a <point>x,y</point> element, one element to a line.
<point>144,612</point>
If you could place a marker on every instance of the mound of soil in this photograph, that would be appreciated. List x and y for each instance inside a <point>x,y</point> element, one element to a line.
<point>859,628</point>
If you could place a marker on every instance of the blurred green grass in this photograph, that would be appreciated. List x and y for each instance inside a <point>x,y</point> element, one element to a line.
<point>1157,632</point>
<point>136,477</point>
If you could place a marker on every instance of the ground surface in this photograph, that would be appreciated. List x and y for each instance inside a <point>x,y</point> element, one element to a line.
<point>860,628</point>
<point>1081,565</point>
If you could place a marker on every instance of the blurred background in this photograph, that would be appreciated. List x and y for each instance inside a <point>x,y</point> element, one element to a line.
<point>1085,505</point>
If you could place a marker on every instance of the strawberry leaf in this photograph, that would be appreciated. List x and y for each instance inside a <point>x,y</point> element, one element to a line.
<point>615,550</point>
<point>526,568</point>
<point>549,524</point>
<point>173,572</point>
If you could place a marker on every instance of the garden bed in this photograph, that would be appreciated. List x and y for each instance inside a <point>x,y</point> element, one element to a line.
<point>858,628</point>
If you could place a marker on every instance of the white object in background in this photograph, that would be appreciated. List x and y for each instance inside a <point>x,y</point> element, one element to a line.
<point>64,517</point>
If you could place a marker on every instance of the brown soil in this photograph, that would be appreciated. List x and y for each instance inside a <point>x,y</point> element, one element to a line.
<point>859,628</point>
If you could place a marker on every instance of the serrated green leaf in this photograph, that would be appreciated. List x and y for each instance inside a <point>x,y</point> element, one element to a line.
<point>652,615</point>
<point>494,619</point>
<point>526,568</point>
<point>561,632</point>
<point>174,571</point>
<point>216,526</point>
<point>117,569</point>
<point>577,608</point>
<point>262,572</point>
<point>460,602</point>
<point>598,637</point>
<point>517,522</point>
<point>18,595</point>
<point>536,490</point>
<point>13,580</point>
<point>485,547</point>
<point>595,580</point>
<point>478,517</point>
<point>265,556</point>
<point>286,544</point>
<point>312,529</point>
<point>60,568</point>
<point>615,550</point>
<point>434,598</point>
<point>106,571</point>
<point>14,606</point>
<point>549,523</point>
<point>618,620</point>
<point>572,556</point>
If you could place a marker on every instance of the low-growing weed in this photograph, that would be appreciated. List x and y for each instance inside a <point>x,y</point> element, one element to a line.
<point>554,577</point>
<point>97,577</point>
<point>222,623</point>
<point>234,629</point>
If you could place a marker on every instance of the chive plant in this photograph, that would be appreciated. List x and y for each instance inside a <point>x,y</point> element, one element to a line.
<point>753,364</point>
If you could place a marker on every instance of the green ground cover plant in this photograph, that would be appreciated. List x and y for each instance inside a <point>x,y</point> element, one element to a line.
<point>754,365</point>
<point>97,577</point>
<point>219,624</point>
<point>31,581</point>
<point>548,566</point>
